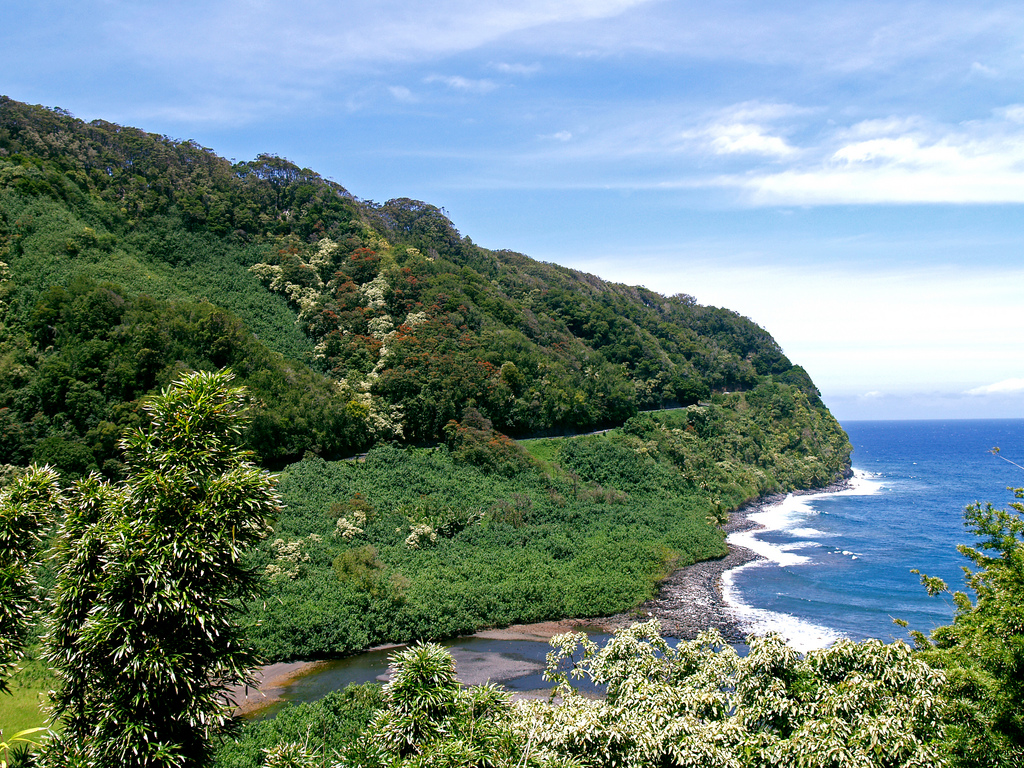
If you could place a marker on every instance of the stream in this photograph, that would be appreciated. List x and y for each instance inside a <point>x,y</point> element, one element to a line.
<point>517,663</point>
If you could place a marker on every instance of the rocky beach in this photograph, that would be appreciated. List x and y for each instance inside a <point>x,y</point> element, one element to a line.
<point>690,600</point>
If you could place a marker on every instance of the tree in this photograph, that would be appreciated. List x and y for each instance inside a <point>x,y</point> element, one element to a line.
<point>982,651</point>
<point>854,704</point>
<point>149,578</point>
<point>428,718</point>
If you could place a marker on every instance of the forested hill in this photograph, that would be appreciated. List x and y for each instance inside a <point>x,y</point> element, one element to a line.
<point>128,257</point>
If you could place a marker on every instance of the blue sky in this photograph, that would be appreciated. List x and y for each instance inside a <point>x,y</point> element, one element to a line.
<point>850,175</point>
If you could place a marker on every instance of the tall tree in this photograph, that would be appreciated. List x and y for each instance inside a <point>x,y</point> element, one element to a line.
<point>149,577</point>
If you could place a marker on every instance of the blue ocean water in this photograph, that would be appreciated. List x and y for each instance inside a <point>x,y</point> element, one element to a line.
<point>838,564</point>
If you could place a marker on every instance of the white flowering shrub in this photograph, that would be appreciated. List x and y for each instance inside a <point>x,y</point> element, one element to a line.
<point>289,557</point>
<point>375,291</point>
<point>380,327</point>
<point>271,275</point>
<point>415,318</point>
<point>324,256</point>
<point>419,534</point>
<point>854,704</point>
<point>351,524</point>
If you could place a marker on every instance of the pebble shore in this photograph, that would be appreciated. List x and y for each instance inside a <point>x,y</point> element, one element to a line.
<point>690,601</point>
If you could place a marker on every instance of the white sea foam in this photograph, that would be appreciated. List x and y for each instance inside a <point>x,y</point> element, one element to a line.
<point>801,635</point>
<point>863,483</point>
<point>790,516</point>
<point>783,516</point>
<point>776,553</point>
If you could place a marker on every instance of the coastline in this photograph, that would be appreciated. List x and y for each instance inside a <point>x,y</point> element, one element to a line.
<point>688,602</point>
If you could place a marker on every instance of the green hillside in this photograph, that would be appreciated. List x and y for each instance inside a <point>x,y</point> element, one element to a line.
<point>129,258</point>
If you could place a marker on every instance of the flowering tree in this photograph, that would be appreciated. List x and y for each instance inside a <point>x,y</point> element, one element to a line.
<point>982,651</point>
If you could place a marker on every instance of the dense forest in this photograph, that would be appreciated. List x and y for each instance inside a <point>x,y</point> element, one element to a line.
<point>130,257</point>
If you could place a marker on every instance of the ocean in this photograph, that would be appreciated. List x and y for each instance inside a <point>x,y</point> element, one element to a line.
<point>838,564</point>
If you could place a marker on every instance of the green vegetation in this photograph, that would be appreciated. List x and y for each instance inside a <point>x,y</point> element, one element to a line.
<point>699,704</point>
<point>427,543</point>
<point>26,507</point>
<point>149,580</point>
<point>317,730</point>
<point>952,703</point>
<point>23,706</point>
<point>141,631</point>
<point>127,258</point>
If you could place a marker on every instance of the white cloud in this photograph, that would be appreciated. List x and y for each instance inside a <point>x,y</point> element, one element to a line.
<point>902,161</point>
<point>459,83</point>
<point>742,130</point>
<point>741,138</point>
<point>1004,387</point>
<point>517,69</point>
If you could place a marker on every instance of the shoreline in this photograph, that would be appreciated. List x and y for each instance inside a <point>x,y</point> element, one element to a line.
<point>688,602</point>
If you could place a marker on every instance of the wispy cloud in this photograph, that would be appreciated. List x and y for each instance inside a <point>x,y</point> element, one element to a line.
<point>465,84</point>
<point>744,138</point>
<point>403,94</point>
<point>517,69</point>
<point>902,161</point>
<point>1004,387</point>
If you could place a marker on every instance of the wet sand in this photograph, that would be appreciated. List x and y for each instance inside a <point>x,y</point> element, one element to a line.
<point>270,682</point>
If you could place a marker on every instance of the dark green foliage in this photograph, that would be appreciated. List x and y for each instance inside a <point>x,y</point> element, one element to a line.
<point>414,322</point>
<point>329,726</point>
<point>131,258</point>
<point>430,543</point>
<point>67,405</point>
<point>450,547</point>
<point>474,441</point>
